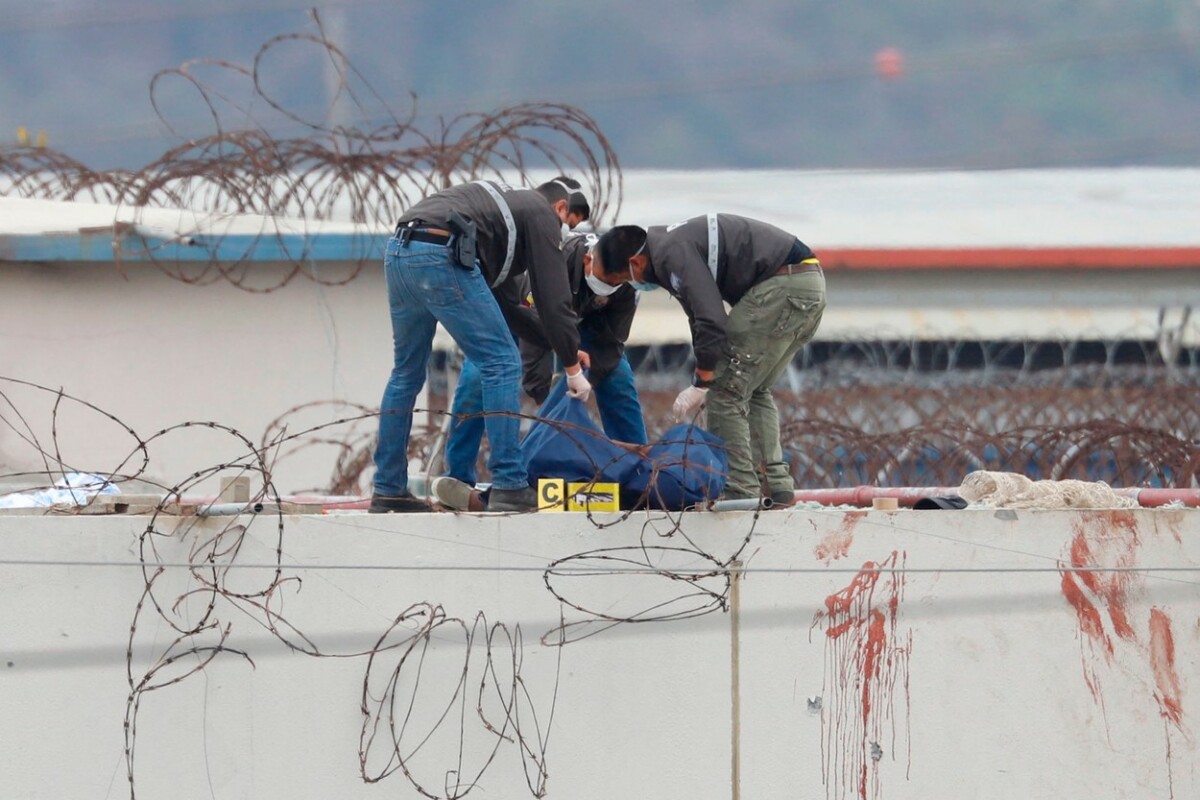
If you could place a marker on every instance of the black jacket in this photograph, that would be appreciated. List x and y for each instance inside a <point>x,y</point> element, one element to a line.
<point>537,254</point>
<point>748,252</point>
<point>603,321</point>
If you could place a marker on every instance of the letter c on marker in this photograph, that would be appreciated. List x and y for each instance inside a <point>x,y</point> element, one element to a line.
<point>552,493</point>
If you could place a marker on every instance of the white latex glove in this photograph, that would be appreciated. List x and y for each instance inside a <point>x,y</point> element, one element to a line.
<point>688,403</point>
<point>578,386</point>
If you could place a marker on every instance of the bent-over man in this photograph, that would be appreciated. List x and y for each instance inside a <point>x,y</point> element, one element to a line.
<point>452,256</point>
<point>606,315</point>
<point>774,285</point>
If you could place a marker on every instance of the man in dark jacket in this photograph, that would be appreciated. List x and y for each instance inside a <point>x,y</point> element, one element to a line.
<point>452,256</point>
<point>776,291</point>
<point>605,318</point>
<point>606,315</point>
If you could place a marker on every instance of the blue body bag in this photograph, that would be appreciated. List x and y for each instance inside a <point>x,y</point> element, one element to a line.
<point>686,466</point>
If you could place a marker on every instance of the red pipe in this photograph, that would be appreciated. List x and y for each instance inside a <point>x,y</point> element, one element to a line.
<point>906,496</point>
<point>1153,498</point>
<point>327,502</point>
<point>330,502</point>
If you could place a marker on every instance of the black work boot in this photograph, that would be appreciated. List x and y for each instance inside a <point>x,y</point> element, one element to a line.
<point>512,499</point>
<point>404,504</point>
<point>783,498</point>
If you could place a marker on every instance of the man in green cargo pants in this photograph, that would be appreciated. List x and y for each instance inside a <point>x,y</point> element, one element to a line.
<point>776,290</point>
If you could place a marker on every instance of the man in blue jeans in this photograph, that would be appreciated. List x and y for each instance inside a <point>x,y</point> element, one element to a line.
<point>605,319</point>
<point>454,259</point>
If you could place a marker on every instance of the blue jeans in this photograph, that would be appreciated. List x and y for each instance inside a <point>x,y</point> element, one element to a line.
<point>616,397</point>
<point>424,288</point>
<point>465,433</point>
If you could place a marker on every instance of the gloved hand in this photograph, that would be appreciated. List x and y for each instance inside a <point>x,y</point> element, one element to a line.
<point>577,385</point>
<point>688,403</point>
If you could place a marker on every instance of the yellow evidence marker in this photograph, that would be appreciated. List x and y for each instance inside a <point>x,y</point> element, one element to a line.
<point>555,494</point>
<point>552,494</point>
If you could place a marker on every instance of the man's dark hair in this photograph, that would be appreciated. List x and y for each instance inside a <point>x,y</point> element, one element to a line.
<point>553,192</point>
<point>618,245</point>
<point>577,202</point>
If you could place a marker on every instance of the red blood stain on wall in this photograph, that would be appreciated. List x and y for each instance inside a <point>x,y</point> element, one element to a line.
<point>1171,520</point>
<point>1089,617</point>
<point>837,542</point>
<point>866,658</point>
<point>1162,659</point>
<point>1102,539</point>
<point>1108,540</point>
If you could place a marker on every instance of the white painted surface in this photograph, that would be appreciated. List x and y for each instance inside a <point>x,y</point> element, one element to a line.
<point>1130,207</point>
<point>154,353</point>
<point>1135,207</point>
<point>25,216</point>
<point>891,307</point>
<point>986,684</point>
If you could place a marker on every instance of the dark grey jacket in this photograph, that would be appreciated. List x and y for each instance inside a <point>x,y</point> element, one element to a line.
<point>748,252</point>
<point>604,323</point>
<point>538,253</point>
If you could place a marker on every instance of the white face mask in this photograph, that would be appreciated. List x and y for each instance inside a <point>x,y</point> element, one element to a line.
<point>598,287</point>
<point>566,230</point>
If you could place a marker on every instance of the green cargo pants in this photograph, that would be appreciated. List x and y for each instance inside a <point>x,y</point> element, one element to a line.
<point>771,322</point>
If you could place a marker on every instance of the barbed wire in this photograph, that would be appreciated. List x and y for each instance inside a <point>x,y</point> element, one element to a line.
<point>841,433</point>
<point>334,173</point>
<point>490,702</point>
<point>491,679</point>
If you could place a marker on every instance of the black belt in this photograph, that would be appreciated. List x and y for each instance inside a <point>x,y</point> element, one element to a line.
<point>808,265</point>
<point>422,233</point>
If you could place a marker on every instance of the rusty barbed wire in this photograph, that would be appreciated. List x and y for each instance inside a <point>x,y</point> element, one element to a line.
<point>361,178</point>
<point>958,431</point>
<point>202,604</point>
<point>934,436</point>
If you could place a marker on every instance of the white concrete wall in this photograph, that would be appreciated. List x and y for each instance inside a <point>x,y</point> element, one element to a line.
<point>958,678</point>
<point>155,352</point>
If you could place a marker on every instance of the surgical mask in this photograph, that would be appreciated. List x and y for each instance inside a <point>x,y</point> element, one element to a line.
<point>641,286</point>
<point>566,230</point>
<point>599,287</point>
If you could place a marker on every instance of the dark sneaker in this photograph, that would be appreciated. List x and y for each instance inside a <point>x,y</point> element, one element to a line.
<point>783,498</point>
<point>456,495</point>
<point>404,504</point>
<point>512,499</point>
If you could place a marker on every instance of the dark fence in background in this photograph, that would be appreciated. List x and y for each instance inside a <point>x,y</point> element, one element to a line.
<point>926,413</point>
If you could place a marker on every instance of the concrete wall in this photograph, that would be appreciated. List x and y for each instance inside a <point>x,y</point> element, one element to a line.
<point>982,670</point>
<point>151,352</point>
<point>155,352</point>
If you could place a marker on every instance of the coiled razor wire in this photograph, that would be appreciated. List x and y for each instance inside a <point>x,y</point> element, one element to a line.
<point>365,175</point>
